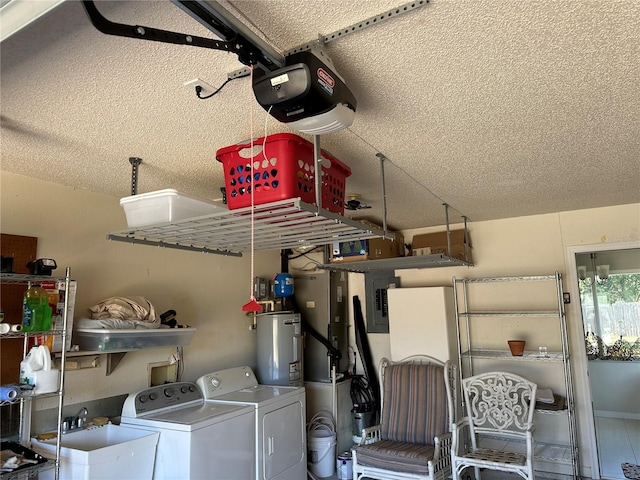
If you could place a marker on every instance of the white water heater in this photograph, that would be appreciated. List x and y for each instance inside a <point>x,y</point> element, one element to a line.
<point>279,351</point>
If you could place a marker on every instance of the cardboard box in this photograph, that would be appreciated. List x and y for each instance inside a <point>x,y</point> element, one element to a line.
<point>56,292</point>
<point>369,249</point>
<point>436,243</point>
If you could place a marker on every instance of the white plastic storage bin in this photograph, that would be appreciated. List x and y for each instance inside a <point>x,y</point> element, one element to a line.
<point>165,206</point>
<point>131,339</point>
<point>106,452</point>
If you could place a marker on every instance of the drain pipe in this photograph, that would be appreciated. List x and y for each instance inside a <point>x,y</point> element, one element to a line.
<point>334,394</point>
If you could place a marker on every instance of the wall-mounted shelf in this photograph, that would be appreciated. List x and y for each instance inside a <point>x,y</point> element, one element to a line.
<point>278,225</point>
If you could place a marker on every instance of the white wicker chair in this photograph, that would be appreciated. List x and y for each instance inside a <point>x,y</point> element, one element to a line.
<point>413,440</point>
<point>499,405</point>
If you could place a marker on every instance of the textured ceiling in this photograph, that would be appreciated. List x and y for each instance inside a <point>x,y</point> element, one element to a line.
<point>499,108</point>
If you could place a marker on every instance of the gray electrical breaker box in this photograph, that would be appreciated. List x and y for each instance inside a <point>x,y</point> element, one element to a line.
<point>376,284</point>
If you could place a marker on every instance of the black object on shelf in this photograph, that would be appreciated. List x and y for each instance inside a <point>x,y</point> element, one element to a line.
<point>42,266</point>
<point>7,265</point>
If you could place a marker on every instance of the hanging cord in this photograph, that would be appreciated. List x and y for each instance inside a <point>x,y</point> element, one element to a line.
<point>252,186</point>
<point>251,101</point>
<point>304,254</point>
<point>199,90</point>
<point>252,305</point>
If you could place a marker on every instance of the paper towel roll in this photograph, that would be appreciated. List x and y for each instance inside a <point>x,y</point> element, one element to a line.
<point>9,392</point>
<point>5,328</point>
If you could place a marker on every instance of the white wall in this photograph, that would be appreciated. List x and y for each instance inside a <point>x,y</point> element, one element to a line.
<point>207,291</point>
<point>534,245</point>
<point>618,384</point>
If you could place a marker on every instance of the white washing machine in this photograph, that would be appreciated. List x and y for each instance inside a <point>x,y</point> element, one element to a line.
<point>280,421</point>
<point>198,439</point>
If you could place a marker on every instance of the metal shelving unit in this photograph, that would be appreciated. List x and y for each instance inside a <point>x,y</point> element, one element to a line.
<point>545,453</point>
<point>25,400</point>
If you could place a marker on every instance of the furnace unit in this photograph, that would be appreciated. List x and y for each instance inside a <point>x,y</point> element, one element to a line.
<point>322,299</point>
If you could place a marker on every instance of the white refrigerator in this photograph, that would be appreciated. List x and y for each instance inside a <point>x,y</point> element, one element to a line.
<point>422,321</point>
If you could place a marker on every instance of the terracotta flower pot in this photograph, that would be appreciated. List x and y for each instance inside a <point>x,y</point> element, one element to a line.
<point>516,347</point>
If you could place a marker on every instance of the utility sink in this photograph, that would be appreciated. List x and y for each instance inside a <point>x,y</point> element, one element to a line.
<point>106,452</point>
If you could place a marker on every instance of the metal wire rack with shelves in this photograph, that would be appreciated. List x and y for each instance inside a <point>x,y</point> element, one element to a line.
<point>25,398</point>
<point>499,308</point>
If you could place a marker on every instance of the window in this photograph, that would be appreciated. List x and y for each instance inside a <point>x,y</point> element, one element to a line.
<point>610,298</point>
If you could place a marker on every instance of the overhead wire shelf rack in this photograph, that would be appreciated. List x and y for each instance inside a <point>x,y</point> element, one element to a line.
<point>422,261</point>
<point>278,225</point>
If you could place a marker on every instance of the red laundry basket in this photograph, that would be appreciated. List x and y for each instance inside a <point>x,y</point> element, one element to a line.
<point>283,167</point>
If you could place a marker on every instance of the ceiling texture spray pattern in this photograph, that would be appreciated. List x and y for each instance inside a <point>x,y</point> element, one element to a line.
<point>497,108</point>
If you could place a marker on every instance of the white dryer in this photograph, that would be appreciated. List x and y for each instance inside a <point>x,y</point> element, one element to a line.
<point>280,428</point>
<point>198,439</point>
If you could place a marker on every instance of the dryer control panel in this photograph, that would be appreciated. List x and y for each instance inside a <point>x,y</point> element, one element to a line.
<point>226,381</point>
<point>161,397</point>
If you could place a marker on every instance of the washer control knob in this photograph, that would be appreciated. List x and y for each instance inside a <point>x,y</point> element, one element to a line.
<point>184,389</point>
<point>142,398</point>
<point>168,392</point>
<point>192,388</point>
<point>215,382</point>
<point>153,396</point>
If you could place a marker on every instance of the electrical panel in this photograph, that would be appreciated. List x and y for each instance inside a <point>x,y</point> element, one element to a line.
<point>376,285</point>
